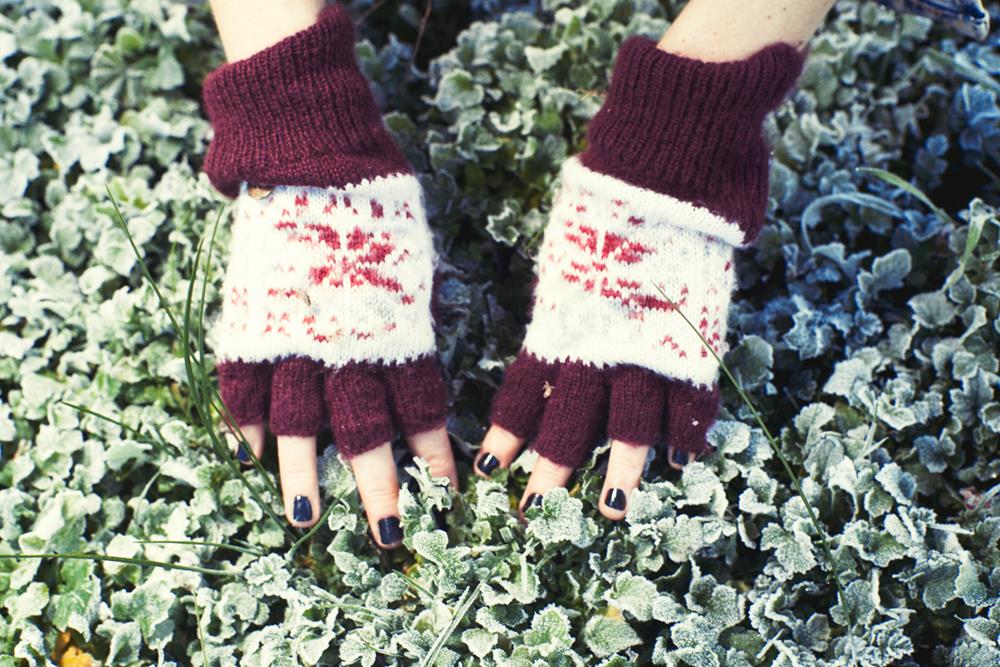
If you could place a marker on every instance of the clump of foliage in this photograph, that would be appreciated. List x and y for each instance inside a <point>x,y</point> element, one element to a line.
<point>866,334</point>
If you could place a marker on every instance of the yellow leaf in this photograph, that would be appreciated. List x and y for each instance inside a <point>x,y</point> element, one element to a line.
<point>74,657</point>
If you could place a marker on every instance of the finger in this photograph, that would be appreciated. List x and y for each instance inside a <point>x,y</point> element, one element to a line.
<point>546,474</point>
<point>499,449</point>
<point>299,479</point>
<point>519,404</point>
<point>417,395</point>
<point>245,389</point>
<point>690,412</point>
<point>574,415</point>
<point>378,486</point>
<point>254,434</point>
<point>625,466</point>
<point>635,406</point>
<point>677,459</point>
<point>360,417</point>
<point>297,397</point>
<point>434,447</point>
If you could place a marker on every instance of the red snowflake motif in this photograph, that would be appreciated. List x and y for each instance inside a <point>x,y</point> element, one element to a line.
<point>591,269</point>
<point>350,259</point>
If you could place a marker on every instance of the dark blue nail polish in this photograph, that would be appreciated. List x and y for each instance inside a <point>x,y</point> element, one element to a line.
<point>302,509</point>
<point>242,454</point>
<point>534,500</point>
<point>389,531</point>
<point>615,499</point>
<point>679,457</point>
<point>487,463</point>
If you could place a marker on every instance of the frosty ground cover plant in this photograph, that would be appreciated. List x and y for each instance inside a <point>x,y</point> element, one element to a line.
<point>865,336</point>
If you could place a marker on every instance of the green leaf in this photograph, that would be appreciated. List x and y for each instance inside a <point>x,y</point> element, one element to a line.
<point>605,636</point>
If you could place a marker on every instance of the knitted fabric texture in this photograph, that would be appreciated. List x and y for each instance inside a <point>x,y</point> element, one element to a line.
<point>327,313</point>
<point>298,113</point>
<point>643,228</point>
<point>693,129</point>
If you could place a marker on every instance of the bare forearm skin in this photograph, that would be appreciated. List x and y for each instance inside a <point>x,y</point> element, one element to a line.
<point>723,30</point>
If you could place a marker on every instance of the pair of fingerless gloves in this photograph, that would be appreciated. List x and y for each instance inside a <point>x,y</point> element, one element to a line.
<point>327,317</point>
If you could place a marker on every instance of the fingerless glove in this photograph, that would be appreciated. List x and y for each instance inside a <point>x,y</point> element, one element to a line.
<point>327,293</point>
<point>645,223</point>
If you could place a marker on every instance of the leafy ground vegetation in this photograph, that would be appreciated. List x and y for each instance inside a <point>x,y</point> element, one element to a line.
<point>865,336</point>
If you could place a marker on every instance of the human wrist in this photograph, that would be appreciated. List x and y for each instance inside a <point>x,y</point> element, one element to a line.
<point>692,129</point>
<point>299,112</point>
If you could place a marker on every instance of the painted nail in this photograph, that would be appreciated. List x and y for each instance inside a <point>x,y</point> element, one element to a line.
<point>488,463</point>
<point>302,509</point>
<point>534,500</point>
<point>242,454</point>
<point>388,530</point>
<point>679,457</point>
<point>615,499</point>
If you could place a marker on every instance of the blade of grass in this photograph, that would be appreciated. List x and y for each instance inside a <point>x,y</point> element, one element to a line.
<point>121,559</point>
<point>213,395</point>
<point>975,228</point>
<point>194,381</point>
<point>312,531</point>
<point>197,382</point>
<point>196,543</point>
<point>893,179</point>
<point>974,74</point>
<point>462,609</point>
<point>834,574</point>
<point>161,446</point>
<point>201,639</point>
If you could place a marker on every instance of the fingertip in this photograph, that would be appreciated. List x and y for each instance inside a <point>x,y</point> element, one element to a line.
<point>498,450</point>
<point>614,502</point>
<point>378,486</point>
<point>626,463</point>
<point>254,434</point>
<point>389,533</point>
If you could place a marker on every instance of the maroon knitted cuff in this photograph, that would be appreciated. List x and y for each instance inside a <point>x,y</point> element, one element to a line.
<point>298,113</point>
<point>693,129</point>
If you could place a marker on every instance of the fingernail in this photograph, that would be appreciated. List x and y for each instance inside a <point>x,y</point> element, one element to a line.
<point>242,454</point>
<point>388,530</point>
<point>534,500</point>
<point>440,518</point>
<point>487,463</point>
<point>302,509</point>
<point>615,499</point>
<point>679,457</point>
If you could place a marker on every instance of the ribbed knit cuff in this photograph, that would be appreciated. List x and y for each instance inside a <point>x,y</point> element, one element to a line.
<point>298,113</point>
<point>693,129</point>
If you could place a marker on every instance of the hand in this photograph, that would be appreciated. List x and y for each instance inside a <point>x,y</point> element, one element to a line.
<point>606,349</point>
<point>326,314</point>
<point>326,318</point>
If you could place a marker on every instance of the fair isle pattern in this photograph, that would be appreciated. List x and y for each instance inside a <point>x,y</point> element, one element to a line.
<point>334,274</point>
<point>608,251</point>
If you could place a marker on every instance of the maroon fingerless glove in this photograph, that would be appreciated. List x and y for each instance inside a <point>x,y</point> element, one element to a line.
<point>328,288</point>
<point>644,224</point>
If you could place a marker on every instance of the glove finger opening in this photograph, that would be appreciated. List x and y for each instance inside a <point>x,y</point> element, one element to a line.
<point>297,397</point>
<point>417,394</point>
<point>245,389</point>
<point>360,417</point>
<point>574,415</point>
<point>690,412</point>
<point>524,394</point>
<point>635,410</point>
